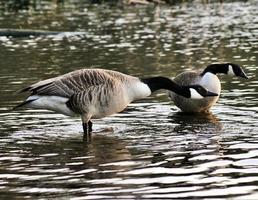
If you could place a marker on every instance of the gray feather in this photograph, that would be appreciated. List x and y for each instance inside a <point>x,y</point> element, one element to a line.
<point>74,82</point>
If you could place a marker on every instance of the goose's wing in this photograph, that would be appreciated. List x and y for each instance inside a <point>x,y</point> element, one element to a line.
<point>71,83</point>
<point>82,101</point>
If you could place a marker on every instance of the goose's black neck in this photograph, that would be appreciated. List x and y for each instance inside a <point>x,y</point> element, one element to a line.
<point>160,82</point>
<point>216,68</point>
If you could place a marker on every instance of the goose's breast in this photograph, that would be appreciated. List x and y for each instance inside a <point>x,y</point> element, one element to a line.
<point>117,99</point>
<point>211,82</point>
<point>111,102</point>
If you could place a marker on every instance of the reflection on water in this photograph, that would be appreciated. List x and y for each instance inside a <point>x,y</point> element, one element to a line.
<point>154,151</point>
<point>193,122</point>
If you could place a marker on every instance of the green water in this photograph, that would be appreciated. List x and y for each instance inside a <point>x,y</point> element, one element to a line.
<point>154,151</point>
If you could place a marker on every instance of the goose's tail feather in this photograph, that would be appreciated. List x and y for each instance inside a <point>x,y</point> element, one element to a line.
<point>34,88</point>
<point>23,90</point>
<point>23,103</point>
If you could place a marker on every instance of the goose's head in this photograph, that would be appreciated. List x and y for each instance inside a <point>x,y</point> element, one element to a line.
<point>193,91</point>
<point>199,92</point>
<point>235,70</point>
<point>225,68</point>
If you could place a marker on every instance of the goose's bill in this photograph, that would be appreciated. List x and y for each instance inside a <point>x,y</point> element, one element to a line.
<point>243,75</point>
<point>211,94</point>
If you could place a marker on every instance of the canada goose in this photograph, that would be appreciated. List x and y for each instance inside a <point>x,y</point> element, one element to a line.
<point>208,79</point>
<point>96,93</point>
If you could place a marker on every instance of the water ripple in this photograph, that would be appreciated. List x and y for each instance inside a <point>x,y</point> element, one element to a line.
<point>154,152</point>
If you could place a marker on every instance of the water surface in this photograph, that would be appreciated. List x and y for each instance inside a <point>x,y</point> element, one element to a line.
<point>154,151</point>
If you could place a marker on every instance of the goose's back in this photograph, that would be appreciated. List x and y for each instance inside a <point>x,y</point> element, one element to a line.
<point>187,78</point>
<point>73,82</point>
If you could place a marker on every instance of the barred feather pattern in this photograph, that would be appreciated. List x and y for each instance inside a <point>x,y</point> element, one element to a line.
<point>72,82</point>
<point>96,92</point>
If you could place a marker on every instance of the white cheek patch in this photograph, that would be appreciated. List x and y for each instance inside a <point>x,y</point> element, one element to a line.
<point>195,94</point>
<point>230,70</point>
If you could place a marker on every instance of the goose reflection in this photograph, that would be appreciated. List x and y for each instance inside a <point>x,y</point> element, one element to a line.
<point>192,133</point>
<point>195,122</point>
<point>106,148</point>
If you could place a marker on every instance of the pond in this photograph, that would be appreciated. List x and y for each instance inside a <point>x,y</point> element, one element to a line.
<point>155,151</point>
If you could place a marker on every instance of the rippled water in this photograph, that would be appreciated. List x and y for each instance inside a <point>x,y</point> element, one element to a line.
<point>154,151</point>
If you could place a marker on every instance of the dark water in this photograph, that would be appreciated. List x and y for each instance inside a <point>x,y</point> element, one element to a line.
<point>154,151</point>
